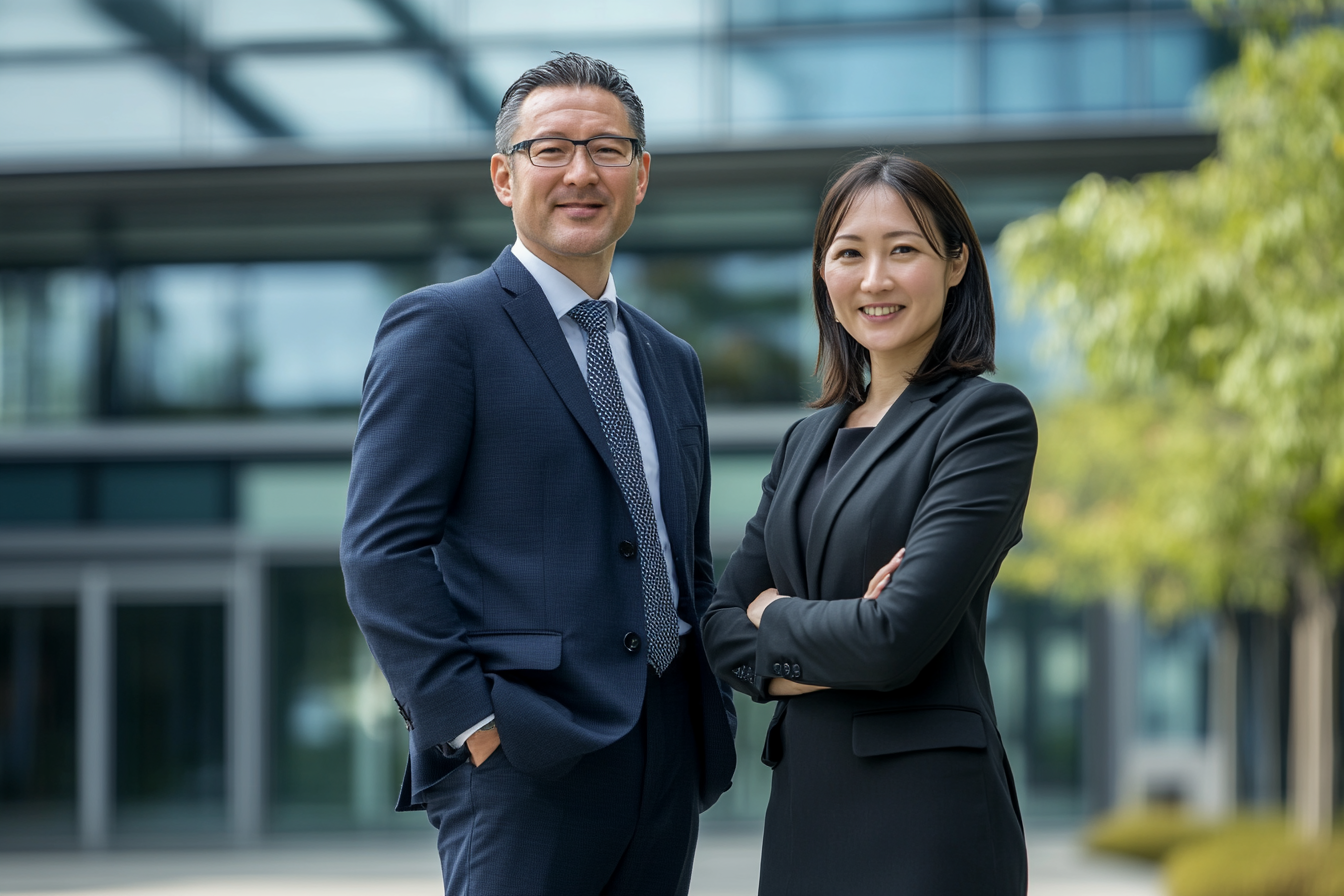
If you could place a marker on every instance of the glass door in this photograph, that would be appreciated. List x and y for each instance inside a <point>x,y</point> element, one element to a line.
<point>38,638</point>
<point>169,741</point>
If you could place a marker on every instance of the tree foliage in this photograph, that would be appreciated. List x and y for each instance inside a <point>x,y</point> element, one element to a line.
<point>1274,17</point>
<point>1208,307</point>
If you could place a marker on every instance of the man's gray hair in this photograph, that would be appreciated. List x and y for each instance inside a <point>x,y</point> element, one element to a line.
<point>568,70</point>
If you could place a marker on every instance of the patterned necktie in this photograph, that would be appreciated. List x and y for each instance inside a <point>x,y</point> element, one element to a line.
<point>660,617</point>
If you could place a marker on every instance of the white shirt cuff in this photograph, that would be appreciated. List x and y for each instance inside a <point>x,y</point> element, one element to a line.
<point>457,742</point>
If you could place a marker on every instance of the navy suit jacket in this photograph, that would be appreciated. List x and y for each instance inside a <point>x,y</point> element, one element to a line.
<point>484,524</point>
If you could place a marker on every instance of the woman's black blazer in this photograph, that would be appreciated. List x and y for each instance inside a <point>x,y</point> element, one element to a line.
<point>945,474</point>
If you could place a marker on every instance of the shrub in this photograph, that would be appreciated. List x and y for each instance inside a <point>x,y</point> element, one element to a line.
<point>1256,858</point>
<point>1145,832</point>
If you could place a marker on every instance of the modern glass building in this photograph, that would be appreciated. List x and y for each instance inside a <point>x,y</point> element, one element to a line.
<point>205,206</point>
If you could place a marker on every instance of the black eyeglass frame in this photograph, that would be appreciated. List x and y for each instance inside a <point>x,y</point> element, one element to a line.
<point>635,148</point>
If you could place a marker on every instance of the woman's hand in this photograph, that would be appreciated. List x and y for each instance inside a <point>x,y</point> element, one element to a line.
<point>880,578</point>
<point>763,600</point>
<point>782,687</point>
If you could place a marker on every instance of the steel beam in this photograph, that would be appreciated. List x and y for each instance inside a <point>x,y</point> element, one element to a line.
<point>169,38</point>
<point>448,58</point>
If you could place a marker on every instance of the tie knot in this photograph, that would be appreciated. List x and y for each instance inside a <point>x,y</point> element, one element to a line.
<point>591,315</point>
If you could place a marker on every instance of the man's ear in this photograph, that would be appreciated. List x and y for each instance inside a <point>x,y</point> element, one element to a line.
<point>501,175</point>
<point>642,179</point>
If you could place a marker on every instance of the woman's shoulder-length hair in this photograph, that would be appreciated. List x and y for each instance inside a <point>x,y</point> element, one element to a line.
<point>965,343</point>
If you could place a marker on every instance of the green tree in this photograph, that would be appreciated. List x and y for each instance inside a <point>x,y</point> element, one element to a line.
<point>1208,307</point>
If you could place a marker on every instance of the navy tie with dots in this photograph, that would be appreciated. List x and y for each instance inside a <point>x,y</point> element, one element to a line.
<point>660,616</point>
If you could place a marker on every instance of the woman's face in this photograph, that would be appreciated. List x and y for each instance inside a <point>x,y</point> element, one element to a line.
<point>888,285</point>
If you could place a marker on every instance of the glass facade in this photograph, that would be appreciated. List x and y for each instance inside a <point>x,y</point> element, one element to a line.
<point>201,78</point>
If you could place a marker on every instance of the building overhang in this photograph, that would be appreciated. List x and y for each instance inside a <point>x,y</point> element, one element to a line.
<point>760,193</point>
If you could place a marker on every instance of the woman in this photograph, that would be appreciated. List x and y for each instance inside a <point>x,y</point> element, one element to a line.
<point>889,774</point>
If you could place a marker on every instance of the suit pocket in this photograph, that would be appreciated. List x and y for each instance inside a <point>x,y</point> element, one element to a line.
<point>500,651</point>
<point>910,730</point>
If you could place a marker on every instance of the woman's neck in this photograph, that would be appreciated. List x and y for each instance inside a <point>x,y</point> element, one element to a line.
<point>886,384</point>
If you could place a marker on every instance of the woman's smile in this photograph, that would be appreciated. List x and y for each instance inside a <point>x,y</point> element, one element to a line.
<point>880,312</point>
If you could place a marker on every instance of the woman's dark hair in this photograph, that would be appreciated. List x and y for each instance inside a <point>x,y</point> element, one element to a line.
<point>965,343</point>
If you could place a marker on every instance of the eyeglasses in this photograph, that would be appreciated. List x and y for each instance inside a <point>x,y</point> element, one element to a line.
<point>558,152</point>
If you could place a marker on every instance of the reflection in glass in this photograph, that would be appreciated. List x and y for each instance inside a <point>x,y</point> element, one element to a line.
<point>37,724</point>
<point>1024,71</point>
<point>1180,60</point>
<point>361,99</point>
<point>739,310</point>
<point>48,327</point>
<point>857,78</point>
<point>338,747</point>
<point>249,337</point>
<point>110,107</point>
<point>779,12</point>
<point>169,718</point>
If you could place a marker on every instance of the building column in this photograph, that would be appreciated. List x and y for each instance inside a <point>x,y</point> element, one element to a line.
<point>95,709</point>
<point>247,700</point>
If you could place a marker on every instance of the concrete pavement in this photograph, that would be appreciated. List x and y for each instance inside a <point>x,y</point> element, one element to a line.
<point>406,865</point>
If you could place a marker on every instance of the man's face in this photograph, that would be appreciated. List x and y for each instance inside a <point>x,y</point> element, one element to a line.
<point>580,210</point>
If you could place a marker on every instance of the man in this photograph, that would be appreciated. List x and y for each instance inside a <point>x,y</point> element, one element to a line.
<point>526,545</point>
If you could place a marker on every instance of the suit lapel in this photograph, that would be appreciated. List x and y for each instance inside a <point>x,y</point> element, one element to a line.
<point>782,537</point>
<point>536,323</point>
<point>913,406</point>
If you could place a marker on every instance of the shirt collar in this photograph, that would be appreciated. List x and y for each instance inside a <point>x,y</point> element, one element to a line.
<point>562,292</point>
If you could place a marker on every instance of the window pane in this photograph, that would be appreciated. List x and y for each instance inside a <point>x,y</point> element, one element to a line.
<point>108,107</point>
<point>739,310</point>
<point>250,337</point>
<point>310,331</point>
<point>231,21</point>
<point>48,324</point>
<point>338,748</point>
<point>360,99</point>
<point>1179,62</point>
<point>1099,59</point>
<point>1174,680</point>
<point>37,724</point>
<point>57,24</point>
<point>856,79</point>
<point>40,493</point>
<point>1024,72</point>
<point>772,12</point>
<point>162,493</point>
<point>170,718</point>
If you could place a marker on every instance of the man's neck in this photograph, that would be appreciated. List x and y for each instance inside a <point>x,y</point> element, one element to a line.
<point>589,273</point>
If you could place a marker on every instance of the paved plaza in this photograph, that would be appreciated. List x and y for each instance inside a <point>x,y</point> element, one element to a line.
<point>726,865</point>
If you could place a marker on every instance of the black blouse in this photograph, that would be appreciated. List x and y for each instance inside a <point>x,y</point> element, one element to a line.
<point>847,441</point>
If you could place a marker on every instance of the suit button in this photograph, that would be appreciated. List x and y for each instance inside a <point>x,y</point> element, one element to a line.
<point>628,550</point>
<point>796,671</point>
<point>632,642</point>
<point>779,670</point>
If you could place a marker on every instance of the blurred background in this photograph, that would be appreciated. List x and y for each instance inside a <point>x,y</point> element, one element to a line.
<point>205,207</point>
